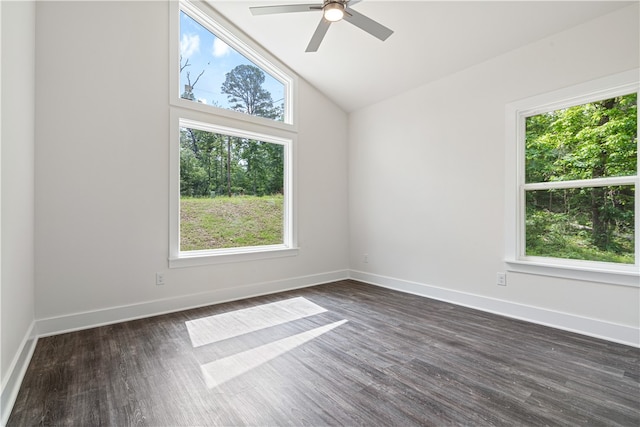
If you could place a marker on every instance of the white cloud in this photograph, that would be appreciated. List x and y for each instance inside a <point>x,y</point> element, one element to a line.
<point>220,48</point>
<point>189,44</point>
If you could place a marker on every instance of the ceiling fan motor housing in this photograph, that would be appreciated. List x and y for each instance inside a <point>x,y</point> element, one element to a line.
<point>333,10</point>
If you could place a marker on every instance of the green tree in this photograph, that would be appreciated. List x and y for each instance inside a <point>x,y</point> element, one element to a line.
<point>243,86</point>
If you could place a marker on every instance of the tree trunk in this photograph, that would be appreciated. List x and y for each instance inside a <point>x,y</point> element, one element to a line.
<point>229,166</point>
<point>601,221</point>
<point>600,231</point>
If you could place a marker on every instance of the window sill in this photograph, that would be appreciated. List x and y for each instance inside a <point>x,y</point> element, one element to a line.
<point>623,275</point>
<point>224,256</point>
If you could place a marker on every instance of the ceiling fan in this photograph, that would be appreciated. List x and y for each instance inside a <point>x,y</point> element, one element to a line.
<point>332,11</point>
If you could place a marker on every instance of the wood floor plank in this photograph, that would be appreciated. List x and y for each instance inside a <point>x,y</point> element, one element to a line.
<point>375,357</point>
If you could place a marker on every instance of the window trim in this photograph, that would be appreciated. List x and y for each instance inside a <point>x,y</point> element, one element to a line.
<point>289,247</point>
<point>516,112</point>
<point>206,16</point>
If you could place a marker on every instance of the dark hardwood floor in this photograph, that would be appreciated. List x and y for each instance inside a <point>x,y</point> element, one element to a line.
<point>344,353</point>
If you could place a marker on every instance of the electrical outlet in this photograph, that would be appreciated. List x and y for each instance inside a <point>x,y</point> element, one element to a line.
<point>365,258</point>
<point>159,279</point>
<point>501,279</point>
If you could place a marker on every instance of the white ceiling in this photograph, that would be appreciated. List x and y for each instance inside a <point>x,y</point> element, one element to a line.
<point>431,39</point>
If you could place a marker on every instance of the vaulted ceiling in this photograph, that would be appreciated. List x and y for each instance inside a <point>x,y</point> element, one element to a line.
<point>431,39</point>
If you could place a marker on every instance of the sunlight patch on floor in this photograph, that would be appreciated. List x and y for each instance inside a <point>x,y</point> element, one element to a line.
<point>208,330</point>
<point>220,371</point>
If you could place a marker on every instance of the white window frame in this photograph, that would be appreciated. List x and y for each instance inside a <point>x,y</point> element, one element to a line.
<point>516,114</point>
<point>185,113</point>
<point>209,19</point>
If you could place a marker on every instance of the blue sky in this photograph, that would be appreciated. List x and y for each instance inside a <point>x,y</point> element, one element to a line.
<point>207,52</point>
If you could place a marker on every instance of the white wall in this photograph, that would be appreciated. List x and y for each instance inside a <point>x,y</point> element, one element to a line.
<point>102,153</point>
<point>426,178</point>
<point>17,195</point>
<point>427,181</point>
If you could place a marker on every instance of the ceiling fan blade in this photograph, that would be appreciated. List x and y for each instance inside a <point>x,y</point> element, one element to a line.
<point>367,24</point>
<point>284,8</point>
<point>318,35</point>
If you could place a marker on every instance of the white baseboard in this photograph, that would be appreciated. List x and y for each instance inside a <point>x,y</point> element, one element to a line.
<point>90,319</point>
<point>15,374</point>
<point>582,325</point>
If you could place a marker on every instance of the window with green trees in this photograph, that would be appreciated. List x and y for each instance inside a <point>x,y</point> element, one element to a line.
<point>231,170</point>
<point>231,191</point>
<point>580,177</point>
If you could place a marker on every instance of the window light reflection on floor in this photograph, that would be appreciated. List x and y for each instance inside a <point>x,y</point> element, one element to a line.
<point>225,369</point>
<point>213,329</point>
<point>208,330</point>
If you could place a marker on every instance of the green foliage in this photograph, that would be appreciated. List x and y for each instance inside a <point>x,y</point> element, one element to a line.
<point>593,140</point>
<point>215,223</point>
<point>582,142</point>
<point>559,235</point>
<point>214,164</point>
<point>193,178</point>
<point>243,86</point>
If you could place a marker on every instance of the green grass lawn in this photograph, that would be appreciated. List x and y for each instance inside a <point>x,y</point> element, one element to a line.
<point>230,222</point>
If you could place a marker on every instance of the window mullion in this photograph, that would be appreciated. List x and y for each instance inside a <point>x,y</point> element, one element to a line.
<point>581,183</point>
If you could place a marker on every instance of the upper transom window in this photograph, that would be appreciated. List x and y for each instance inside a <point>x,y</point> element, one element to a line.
<point>217,69</point>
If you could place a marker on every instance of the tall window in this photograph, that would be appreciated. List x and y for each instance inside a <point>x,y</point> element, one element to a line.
<point>232,145</point>
<point>577,178</point>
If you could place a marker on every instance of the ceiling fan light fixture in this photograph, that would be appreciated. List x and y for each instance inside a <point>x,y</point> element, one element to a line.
<point>333,12</point>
